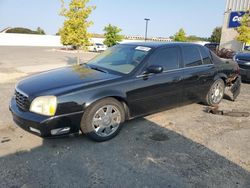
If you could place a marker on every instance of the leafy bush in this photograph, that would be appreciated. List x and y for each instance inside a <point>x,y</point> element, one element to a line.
<point>22,30</point>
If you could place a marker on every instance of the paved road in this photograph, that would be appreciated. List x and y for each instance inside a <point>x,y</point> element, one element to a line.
<point>182,147</point>
<point>27,58</point>
<point>19,62</point>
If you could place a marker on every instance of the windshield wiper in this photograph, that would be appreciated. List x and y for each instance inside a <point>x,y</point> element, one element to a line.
<point>97,68</point>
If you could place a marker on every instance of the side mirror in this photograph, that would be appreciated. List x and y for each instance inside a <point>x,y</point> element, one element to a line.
<point>155,69</point>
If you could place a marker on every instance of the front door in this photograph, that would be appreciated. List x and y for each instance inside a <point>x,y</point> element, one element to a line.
<point>156,92</point>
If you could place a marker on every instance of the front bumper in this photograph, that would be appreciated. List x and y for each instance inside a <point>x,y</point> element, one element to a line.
<point>245,74</point>
<point>46,126</point>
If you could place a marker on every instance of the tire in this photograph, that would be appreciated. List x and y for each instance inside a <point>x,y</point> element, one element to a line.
<point>215,93</point>
<point>103,120</point>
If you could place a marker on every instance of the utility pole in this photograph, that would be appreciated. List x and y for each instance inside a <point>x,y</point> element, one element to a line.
<point>146,32</point>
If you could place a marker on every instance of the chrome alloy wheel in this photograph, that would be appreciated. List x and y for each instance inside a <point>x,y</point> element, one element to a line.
<point>106,120</point>
<point>217,92</point>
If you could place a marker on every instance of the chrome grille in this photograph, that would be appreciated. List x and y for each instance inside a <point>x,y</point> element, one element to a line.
<point>22,101</point>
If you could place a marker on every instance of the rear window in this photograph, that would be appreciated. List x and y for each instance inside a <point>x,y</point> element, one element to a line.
<point>191,56</point>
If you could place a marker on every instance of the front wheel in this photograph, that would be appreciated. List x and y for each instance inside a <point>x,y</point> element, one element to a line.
<point>102,120</point>
<point>216,93</point>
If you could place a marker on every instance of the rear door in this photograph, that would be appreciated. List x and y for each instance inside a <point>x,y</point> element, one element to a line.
<point>198,72</point>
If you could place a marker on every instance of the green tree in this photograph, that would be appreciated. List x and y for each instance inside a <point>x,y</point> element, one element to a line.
<point>112,35</point>
<point>75,27</point>
<point>171,37</point>
<point>22,30</point>
<point>180,36</point>
<point>40,31</point>
<point>216,35</point>
<point>194,38</point>
<point>244,30</point>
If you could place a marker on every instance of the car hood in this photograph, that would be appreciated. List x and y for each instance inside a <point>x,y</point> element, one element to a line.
<point>62,80</point>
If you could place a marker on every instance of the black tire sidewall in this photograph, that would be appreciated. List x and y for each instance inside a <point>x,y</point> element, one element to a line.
<point>86,122</point>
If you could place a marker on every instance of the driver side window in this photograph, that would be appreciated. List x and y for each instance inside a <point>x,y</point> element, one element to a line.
<point>168,58</point>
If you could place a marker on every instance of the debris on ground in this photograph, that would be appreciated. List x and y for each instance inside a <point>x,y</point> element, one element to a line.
<point>233,113</point>
<point>5,139</point>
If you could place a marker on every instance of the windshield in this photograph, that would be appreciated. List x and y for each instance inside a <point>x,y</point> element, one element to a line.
<point>120,58</point>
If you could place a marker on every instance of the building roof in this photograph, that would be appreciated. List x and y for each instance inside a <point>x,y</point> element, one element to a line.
<point>237,5</point>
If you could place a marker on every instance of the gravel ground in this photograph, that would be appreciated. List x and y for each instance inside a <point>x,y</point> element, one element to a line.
<point>182,147</point>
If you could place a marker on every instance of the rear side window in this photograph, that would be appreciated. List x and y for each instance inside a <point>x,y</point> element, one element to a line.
<point>191,56</point>
<point>168,58</point>
<point>205,56</point>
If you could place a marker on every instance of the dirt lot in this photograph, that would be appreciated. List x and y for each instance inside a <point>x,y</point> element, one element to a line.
<point>182,147</point>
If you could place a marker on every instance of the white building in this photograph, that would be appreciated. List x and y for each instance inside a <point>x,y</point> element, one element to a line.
<point>235,9</point>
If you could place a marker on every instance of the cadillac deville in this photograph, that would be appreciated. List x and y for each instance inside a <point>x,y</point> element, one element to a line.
<point>126,81</point>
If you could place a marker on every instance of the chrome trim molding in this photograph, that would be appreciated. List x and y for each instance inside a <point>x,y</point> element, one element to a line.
<point>207,65</point>
<point>63,115</point>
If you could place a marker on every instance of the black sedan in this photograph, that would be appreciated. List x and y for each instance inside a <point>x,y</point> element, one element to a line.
<point>243,59</point>
<point>124,82</point>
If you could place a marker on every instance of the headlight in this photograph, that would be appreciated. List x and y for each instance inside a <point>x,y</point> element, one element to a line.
<point>248,63</point>
<point>45,105</point>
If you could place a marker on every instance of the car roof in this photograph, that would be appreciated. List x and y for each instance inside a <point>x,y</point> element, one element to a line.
<point>159,44</point>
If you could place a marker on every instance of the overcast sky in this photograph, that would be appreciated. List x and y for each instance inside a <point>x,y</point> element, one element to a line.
<point>197,17</point>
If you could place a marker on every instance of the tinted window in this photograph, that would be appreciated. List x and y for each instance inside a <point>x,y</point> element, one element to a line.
<point>167,58</point>
<point>205,55</point>
<point>191,56</point>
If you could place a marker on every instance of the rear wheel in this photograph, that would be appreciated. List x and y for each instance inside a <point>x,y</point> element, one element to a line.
<point>102,120</point>
<point>216,93</point>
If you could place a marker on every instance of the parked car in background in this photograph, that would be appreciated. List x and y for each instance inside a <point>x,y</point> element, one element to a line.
<point>97,47</point>
<point>125,82</point>
<point>247,48</point>
<point>243,59</point>
<point>213,47</point>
